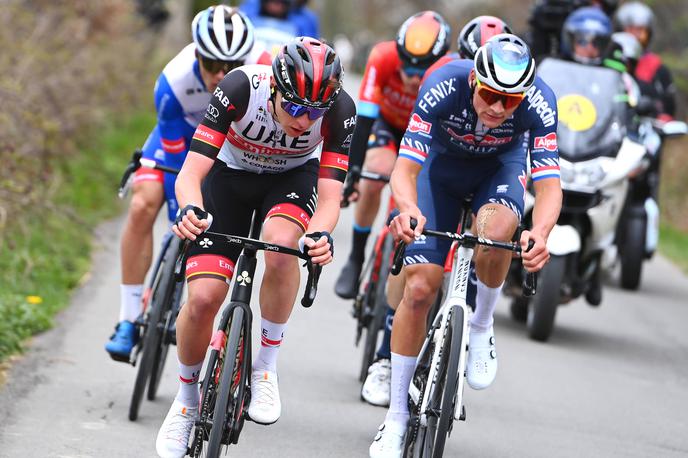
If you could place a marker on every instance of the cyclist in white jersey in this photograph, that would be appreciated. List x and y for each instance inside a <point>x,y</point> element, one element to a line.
<point>223,39</point>
<point>274,139</point>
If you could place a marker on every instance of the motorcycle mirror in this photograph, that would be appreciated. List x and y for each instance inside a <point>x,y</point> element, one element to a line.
<point>674,129</point>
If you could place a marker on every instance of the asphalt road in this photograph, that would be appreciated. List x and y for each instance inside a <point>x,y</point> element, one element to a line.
<point>611,382</point>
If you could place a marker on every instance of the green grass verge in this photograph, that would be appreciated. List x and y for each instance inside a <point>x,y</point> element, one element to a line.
<point>673,243</point>
<point>46,252</point>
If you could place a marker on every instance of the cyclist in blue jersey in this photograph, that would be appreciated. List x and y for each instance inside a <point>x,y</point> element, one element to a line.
<point>465,137</point>
<point>223,40</point>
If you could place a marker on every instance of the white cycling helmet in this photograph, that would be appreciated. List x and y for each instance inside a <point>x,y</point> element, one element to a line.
<point>504,63</point>
<point>222,33</point>
<point>635,14</point>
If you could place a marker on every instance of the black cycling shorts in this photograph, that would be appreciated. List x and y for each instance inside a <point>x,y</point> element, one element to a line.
<point>231,195</point>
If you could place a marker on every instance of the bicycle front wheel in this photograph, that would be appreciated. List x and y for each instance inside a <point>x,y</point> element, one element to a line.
<point>152,334</point>
<point>228,406</point>
<point>428,440</point>
<point>171,302</point>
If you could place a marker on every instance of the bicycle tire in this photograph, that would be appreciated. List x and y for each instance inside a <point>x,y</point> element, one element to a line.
<point>222,415</point>
<point>428,441</point>
<point>450,379</point>
<point>172,296</point>
<point>207,404</point>
<point>151,338</point>
<point>379,298</point>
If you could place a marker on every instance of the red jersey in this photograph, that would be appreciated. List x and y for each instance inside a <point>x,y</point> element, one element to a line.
<point>382,87</point>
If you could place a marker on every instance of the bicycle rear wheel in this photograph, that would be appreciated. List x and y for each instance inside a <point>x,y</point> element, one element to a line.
<point>228,405</point>
<point>377,298</point>
<point>153,331</point>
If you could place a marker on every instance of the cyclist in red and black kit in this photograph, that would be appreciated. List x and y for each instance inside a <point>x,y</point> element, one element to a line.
<point>259,148</point>
<point>386,97</point>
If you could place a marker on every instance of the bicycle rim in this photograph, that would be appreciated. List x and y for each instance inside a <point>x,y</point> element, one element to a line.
<point>151,338</point>
<point>223,416</point>
<point>377,297</point>
<point>415,433</point>
<point>447,383</point>
<point>208,395</point>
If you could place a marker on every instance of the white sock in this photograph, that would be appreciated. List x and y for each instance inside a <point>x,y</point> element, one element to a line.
<point>130,302</point>
<point>270,341</point>
<point>485,303</point>
<point>402,372</point>
<point>188,384</point>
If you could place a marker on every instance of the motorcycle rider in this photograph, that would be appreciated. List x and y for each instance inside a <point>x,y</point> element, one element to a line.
<point>547,18</point>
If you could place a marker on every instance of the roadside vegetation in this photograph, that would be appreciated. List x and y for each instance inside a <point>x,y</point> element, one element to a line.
<point>74,107</point>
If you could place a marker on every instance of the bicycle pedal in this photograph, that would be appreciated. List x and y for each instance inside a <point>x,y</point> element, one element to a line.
<point>462,415</point>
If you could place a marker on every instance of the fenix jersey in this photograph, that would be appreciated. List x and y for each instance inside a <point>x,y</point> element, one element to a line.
<point>239,130</point>
<point>444,122</point>
<point>382,92</point>
<point>181,98</point>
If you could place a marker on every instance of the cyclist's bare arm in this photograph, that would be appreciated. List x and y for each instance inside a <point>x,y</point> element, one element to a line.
<point>548,197</point>
<point>188,190</point>
<point>403,182</point>
<point>228,103</point>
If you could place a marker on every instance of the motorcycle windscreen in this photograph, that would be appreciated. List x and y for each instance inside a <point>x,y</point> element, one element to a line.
<point>592,108</point>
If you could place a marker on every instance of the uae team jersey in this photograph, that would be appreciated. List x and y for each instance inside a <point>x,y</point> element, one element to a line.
<point>239,130</point>
<point>443,121</point>
<point>181,98</point>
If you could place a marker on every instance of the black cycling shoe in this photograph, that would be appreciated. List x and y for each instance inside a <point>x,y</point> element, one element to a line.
<point>347,283</point>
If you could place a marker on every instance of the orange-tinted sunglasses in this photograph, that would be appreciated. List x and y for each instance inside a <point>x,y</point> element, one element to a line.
<point>491,96</point>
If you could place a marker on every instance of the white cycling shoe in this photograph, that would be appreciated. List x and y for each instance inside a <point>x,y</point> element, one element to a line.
<point>265,407</point>
<point>173,436</point>
<point>389,442</point>
<point>377,384</point>
<point>481,366</point>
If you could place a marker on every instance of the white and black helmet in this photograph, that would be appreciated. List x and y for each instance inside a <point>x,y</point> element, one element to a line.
<point>222,33</point>
<point>504,63</point>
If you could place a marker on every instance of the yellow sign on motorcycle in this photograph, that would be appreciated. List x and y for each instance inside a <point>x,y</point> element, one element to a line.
<point>576,112</point>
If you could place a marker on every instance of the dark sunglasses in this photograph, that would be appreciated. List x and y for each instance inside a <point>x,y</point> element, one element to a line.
<point>411,71</point>
<point>295,110</point>
<point>491,96</point>
<point>214,66</point>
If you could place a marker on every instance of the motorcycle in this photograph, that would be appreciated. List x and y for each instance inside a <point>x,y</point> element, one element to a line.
<point>638,230</point>
<point>597,158</point>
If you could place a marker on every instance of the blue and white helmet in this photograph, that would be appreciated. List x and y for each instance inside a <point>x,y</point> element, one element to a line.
<point>504,63</point>
<point>222,33</point>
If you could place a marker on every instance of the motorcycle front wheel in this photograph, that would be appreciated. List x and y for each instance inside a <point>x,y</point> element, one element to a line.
<point>543,306</point>
<point>632,253</point>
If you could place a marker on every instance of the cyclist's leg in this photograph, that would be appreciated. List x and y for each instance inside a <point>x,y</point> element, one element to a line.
<point>136,247</point>
<point>209,270</point>
<point>287,205</point>
<point>380,158</point>
<point>499,206</point>
<point>424,261</point>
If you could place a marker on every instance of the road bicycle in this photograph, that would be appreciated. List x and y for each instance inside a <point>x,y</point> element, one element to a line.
<point>226,389</point>
<point>161,302</point>
<point>370,306</point>
<point>436,390</point>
